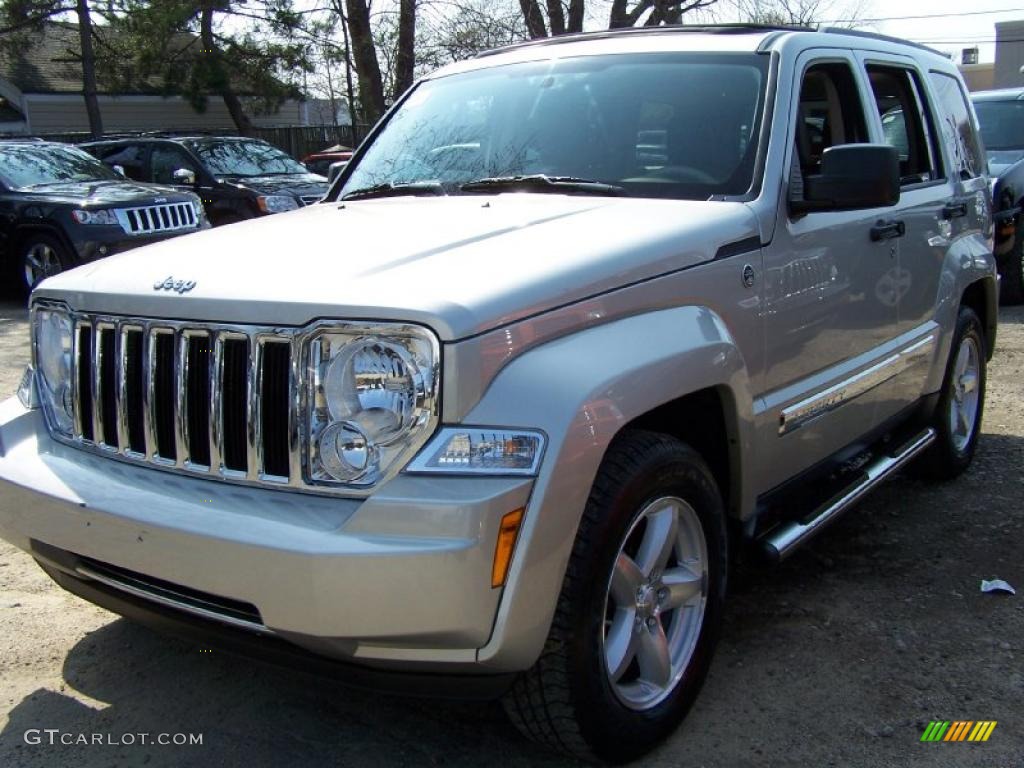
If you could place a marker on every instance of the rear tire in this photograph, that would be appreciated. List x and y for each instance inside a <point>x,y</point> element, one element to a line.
<point>640,609</point>
<point>1011,287</point>
<point>957,420</point>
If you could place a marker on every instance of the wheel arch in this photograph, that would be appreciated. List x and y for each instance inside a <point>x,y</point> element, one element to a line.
<point>582,390</point>
<point>982,296</point>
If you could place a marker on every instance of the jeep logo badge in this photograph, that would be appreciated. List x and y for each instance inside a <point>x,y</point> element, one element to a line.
<point>170,284</point>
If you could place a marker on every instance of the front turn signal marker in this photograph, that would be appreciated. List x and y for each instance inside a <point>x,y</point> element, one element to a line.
<point>507,534</point>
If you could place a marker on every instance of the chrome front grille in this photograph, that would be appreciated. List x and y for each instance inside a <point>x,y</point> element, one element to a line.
<point>166,217</point>
<point>220,401</point>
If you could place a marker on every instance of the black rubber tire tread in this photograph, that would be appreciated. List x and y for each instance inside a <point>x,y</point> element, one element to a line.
<point>942,462</point>
<point>1011,286</point>
<point>24,244</point>
<point>543,702</point>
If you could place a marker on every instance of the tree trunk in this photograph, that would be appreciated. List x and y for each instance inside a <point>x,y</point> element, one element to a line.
<point>405,58</point>
<point>222,78</point>
<point>534,19</point>
<point>349,88</point>
<point>556,17</point>
<point>576,11</point>
<point>92,104</point>
<point>371,87</point>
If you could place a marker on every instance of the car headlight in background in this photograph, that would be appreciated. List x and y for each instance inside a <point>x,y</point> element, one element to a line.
<point>197,208</point>
<point>104,217</point>
<point>372,402</point>
<point>477,451</point>
<point>53,331</point>
<point>276,203</point>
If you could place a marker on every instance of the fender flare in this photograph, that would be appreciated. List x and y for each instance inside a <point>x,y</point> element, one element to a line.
<point>581,390</point>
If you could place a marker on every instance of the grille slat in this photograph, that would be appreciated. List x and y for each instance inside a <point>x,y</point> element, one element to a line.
<point>83,383</point>
<point>274,407</point>
<point>164,394</point>
<point>235,404</point>
<point>107,370</point>
<point>209,400</point>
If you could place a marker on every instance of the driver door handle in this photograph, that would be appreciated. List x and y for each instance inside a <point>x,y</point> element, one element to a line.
<point>888,230</point>
<point>954,210</point>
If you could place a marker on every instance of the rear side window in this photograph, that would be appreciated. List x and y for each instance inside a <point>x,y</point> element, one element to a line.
<point>901,107</point>
<point>958,128</point>
<point>129,157</point>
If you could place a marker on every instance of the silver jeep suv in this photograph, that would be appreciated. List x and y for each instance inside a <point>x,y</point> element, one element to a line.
<point>583,321</point>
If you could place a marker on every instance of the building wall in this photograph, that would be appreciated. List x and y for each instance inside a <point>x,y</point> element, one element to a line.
<point>65,113</point>
<point>979,77</point>
<point>1009,54</point>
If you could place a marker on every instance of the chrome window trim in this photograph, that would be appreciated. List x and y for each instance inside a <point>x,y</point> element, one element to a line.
<point>299,338</point>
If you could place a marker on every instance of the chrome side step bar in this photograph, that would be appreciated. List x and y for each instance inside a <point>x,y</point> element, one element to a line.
<point>782,540</point>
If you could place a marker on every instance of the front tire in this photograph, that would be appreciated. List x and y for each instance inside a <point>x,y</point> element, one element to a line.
<point>957,421</point>
<point>40,256</point>
<point>640,609</point>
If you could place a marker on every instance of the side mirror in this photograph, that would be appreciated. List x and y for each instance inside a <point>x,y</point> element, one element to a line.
<point>335,169</point>
<point>184,176</point>
<point>853,177</point>
<point>119,170</point>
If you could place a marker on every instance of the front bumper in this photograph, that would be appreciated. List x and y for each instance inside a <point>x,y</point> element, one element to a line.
<point>400,580</point>
<point>98,245</point>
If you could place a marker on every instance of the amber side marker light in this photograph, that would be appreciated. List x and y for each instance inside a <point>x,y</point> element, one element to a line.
<point>507,534</point>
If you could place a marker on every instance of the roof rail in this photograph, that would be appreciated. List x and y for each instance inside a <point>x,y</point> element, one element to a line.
<point>707,29</point>
<point>880,37</point>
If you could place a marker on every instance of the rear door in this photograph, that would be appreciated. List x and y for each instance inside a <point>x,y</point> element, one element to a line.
<point>931,202</point>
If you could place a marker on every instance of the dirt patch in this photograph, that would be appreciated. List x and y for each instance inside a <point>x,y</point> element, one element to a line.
<point>840,657</point>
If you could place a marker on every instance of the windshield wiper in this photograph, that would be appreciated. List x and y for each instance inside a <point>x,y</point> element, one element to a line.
<point>540,182</point>
<point>388,189</point>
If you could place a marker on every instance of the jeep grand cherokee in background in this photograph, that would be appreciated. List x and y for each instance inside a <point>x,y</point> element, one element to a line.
<point>237,178</point>
<point>625,306</point>
<point>59,208</point>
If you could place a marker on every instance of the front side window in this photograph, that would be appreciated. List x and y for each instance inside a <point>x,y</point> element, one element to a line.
<point>829,114</point>
<point>23,166</point>
<point>900,102</point>
<point>243,158</point>
<point>682,126</point>
<point>165,160</point>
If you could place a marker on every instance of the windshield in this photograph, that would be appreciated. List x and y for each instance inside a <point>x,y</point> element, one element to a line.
<point>657,125</point>
<point>244,158</point>
<point>29,165</point>
<point>1002,124</point>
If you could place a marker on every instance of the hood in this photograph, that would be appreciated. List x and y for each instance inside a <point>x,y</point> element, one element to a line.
<point>1001,159</point>
<point>105,192</point>
<point>298,184</point>
<point>460,265</point>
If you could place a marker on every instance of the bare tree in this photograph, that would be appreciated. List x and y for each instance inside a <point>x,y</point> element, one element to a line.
<point>802,13</point>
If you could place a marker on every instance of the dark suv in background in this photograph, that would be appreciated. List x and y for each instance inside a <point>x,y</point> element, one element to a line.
<point>59,208</point>
<point>237,178</point>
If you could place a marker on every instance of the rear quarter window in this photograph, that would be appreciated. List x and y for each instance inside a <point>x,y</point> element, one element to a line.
<point>956,124</point>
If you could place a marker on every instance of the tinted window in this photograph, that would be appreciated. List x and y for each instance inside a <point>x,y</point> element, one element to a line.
<point>658,125</point>
<point>243,158</point>
<point>165,160</point>
<point>958,128</point>
<point>128,157</point>
<point>900,103</point>
<point>28,165</point>
<point>830,113</point>
<point>1002,124</point>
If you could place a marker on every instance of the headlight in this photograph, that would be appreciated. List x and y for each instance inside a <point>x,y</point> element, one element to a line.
<point>474,451</point>
<point>372,402</point>
<point>53,339</point>
<point>276,203</point>
<point>104,217</point>
<point>197,208</point>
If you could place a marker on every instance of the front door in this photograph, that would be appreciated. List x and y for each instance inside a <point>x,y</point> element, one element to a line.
<point>831,312</point>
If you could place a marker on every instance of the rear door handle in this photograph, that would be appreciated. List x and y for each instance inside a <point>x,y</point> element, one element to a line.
<point>954,210</point>
<point>888,230</point>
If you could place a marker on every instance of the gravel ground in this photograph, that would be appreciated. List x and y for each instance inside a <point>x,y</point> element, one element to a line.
<point>838,658</point>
